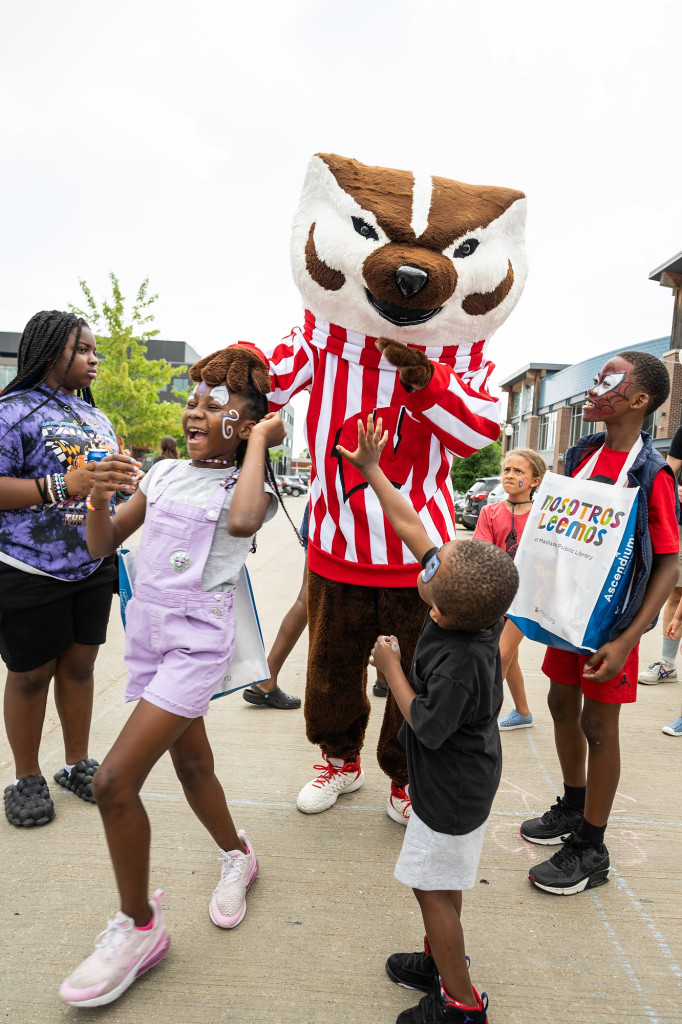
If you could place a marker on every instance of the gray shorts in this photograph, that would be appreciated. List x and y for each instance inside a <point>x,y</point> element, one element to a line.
<point>433,860</point>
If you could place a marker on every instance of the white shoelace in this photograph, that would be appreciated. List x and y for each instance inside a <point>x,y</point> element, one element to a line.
<point>115,933</point>
<point>230,870</point>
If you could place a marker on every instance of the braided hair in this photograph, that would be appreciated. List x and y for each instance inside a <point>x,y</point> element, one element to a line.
<point>40,347</point>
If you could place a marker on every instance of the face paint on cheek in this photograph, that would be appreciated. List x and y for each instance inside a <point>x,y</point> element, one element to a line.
<point>233,415</point>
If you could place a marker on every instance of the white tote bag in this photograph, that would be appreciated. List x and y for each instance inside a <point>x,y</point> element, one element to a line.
<point>248,664</point>
<point>576,557</point>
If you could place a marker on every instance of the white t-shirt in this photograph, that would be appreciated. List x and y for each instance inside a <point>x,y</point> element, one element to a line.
<point>196,486</point>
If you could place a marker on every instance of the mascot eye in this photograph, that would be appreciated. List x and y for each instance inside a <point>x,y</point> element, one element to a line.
<point>468,246</point>
<point>364,229</point>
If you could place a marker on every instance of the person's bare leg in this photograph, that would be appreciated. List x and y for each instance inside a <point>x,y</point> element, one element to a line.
<point>565,705</point>
<point>600,724</point>
<point>147,734</point>
<point>291,628</point>
<point>74,684</point>
<point>24,705</point>
<point>510,641</point>
<point>517,689</point>
<point>193,762</point>
<point>441,913</point>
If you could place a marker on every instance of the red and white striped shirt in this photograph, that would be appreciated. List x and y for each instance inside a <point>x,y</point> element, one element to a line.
<point>350,538</point>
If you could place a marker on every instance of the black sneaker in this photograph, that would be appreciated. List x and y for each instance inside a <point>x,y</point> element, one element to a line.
<point>433,1009</point>
<point>413,970</point>
<point>576,866</point>
<point>554,826</point>
<point>79,781</point>
<point>28,802</point>
<point>380,689</point>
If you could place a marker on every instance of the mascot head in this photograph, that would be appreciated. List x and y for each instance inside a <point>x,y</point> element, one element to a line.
<point>419,260</point>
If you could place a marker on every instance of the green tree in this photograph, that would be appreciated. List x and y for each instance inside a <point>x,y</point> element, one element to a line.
<point>484,463</point>
<point>128,384</point>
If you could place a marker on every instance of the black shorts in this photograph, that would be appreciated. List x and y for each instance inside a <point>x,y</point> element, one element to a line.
<point>41,617</point>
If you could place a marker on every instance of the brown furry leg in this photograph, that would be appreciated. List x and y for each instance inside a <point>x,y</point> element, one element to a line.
<point>401,614</point>
<point>342,629</point>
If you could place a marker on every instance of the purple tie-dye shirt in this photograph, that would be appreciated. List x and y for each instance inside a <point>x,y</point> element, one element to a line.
<point>51,439</point>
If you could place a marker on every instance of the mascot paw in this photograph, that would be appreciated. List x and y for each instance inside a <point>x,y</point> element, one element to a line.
<point>236,365</point>
<point>413,366</point>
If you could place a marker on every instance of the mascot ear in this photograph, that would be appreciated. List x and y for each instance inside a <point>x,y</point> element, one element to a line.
<point>237,365</point>
<point>414,367</point>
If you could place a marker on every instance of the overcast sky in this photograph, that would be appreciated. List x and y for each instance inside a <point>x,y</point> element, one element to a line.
<point>170,140</point>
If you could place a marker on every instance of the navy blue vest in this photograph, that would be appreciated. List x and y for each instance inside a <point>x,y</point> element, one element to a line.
<point>641,474</point>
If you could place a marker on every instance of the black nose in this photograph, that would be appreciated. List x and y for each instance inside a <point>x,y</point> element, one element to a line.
<point>410,280</point>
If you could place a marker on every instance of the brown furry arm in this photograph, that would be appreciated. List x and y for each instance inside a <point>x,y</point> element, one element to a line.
<point>234,365</point>
<point>413,366</point>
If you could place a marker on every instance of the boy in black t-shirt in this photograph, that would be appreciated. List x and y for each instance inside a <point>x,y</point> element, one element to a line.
<point>454,757</point>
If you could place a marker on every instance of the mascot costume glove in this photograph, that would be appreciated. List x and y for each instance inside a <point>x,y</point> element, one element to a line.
<point>404,280</point>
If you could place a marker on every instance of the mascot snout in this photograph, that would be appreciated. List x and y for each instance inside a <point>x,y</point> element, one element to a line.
<point>407,284</point>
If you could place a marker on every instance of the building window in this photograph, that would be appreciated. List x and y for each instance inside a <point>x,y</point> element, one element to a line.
<point>528,391</point>
<point>516,403</point>
<point>7,373</point>
<point>547,431</point>
<point>515,435</point>
<point>578,427</point>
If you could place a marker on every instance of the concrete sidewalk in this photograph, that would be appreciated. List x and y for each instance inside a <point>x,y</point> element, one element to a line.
<point>326,910</point>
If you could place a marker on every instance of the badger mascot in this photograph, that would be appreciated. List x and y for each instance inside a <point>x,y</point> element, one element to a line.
<point>404,280</point>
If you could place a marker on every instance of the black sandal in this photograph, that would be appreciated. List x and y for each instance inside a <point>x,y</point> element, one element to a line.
<point>80,779</point>
<point>276,698</point>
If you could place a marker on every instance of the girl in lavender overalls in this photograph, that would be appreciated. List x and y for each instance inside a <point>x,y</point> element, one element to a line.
<point>179,641</point>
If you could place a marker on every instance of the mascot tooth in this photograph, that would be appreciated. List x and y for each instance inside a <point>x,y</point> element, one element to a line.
<point>404,280</point>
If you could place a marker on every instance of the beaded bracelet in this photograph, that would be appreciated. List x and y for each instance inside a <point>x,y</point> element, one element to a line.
<point>60,487</point>
<point>93,508</point>
<point>48,486</point>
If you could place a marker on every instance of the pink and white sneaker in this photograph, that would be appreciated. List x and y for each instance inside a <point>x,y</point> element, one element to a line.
<point>337,776</point>
<point>399,804</point>
<point>239,872</point>
<point>122,953</point>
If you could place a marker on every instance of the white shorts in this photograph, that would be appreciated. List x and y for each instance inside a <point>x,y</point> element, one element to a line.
<point>433,860</point>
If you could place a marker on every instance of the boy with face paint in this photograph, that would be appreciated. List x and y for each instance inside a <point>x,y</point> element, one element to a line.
<point>586,693</point>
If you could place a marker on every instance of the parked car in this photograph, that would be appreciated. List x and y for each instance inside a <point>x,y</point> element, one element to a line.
<point>476,498</point>
<point>291,485</point>
<point>459,503</point>
<point>497,494</point>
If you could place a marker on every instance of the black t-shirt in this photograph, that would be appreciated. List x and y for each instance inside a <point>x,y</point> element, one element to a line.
<point>454,754</point>
<point>676,444</point>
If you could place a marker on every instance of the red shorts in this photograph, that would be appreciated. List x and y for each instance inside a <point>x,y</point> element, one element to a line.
<point>567,668</point>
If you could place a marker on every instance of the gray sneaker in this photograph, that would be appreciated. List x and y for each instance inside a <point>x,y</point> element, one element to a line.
<point>658,672</point>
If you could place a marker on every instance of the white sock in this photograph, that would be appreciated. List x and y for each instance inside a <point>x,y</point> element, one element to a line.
<point>68,767</point>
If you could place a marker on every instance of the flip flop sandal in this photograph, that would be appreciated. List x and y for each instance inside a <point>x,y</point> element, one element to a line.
<point>277,698</point>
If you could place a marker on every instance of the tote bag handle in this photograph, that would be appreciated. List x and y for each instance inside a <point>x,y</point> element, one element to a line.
<point>622,481</point>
